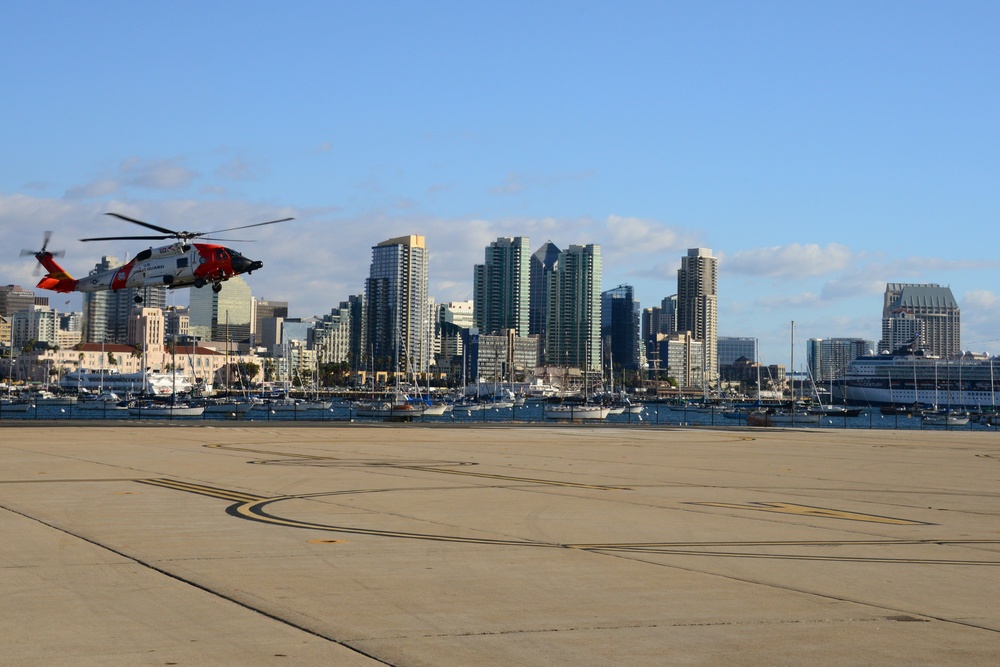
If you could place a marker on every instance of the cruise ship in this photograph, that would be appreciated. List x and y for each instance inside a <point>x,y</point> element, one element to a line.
<point>161,384</point>
<point>910,377</point>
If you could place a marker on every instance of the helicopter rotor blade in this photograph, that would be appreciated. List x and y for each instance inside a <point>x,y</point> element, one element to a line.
<point>259,224</point>
<point>46,237</point>
<point>215,238</point>
<point>147,225</point>
<point>129,238</point>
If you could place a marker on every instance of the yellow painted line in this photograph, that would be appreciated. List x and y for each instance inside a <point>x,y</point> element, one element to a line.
<point>821,512</point>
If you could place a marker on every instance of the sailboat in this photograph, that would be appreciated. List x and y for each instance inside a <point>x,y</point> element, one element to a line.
<point>146,408</point>
<point>577,411</point>
<point>829,410</point>
<point>775,417</point>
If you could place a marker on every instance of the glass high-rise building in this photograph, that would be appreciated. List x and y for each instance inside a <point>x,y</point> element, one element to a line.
<point>501,287</point>
<point>698,301</point>
<point>396,314</point>
<point>573,315</point>
<point>226,315</point>
<point>620,316</point>
<point>731,348</point>
<point>828,357</point>
<point>543,262</point>
<point>106,313</point>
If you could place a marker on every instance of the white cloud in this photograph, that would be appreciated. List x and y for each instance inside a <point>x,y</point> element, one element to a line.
<point>981,300</point>
<point>102,187</point>
<point>790,261</point>
<point>800,300</point>
<point>239,170</point>
<point>155,174</point>
<point>517,183</point>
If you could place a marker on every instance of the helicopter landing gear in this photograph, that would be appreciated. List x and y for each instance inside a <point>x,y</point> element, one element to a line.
<point>199,282</point>
<point>217,287</point>
<point>138,299</point>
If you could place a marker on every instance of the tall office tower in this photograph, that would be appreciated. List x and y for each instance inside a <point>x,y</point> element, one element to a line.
<point>177,323</point>
<point>226,315</point>
<point>650,325</point>
<point>72,321</point>
<point>697,303</point>
<point>331,336</point>
<point>928,311</point>
<point>681,356</point>
<point>395,306</point>
<point>620,327</point>
<point>543,262</point>
<point>14,298</point>
<point>355,306</point>
<point>501,287</point>
<point>828,357</point>
<point>99,308</point>
<point>36,324</point>
<point>451,329</point>
<point>668,315</point>
<point>573,316</point>
<point>106,314</point>
<point>264,310</point>
<point>732,348</point>
<point>146,328</point>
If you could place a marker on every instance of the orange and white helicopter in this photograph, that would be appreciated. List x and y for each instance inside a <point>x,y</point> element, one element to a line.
<point>180,264</point>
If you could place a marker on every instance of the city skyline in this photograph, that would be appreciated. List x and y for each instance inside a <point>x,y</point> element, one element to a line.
<point>820,151</point>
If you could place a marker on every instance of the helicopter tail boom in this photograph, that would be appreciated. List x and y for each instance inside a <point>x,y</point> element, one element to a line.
<point>56,279</point>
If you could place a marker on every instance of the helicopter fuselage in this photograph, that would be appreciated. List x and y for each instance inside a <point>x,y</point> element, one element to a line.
<point>172,266</point>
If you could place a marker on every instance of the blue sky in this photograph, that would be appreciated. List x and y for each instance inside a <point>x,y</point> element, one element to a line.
<point>819,149</point>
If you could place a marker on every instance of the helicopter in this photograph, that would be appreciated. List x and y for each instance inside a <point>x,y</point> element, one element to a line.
<point>180,264</point>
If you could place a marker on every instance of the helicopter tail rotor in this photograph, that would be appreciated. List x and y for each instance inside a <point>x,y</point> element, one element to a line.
<point>44,252</point>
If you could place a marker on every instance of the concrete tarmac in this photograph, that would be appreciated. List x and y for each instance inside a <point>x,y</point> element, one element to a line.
<point>358,545</point>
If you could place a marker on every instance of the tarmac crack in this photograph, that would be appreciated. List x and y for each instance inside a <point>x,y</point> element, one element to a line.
<point>194,584</point>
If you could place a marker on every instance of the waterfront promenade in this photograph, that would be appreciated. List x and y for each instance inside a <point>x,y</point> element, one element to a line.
<point>511,544</point>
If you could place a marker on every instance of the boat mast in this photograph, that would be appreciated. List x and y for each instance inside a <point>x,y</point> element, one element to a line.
<point>792,365</point>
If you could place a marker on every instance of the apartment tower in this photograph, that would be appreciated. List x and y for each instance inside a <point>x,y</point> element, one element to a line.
<point>396,327</point>
<point>573,315</point>
<point>501,287</point>
<point>697,304</point>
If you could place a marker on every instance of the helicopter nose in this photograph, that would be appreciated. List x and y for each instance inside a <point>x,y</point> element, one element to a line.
<point>243,265</point>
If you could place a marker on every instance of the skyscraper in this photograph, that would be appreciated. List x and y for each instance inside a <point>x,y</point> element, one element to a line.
<point>14,298</point>
<point>106,314</point>
<point>396,325</point>
<point>573,315</point>
<point>828,357</point>
<point>620,326</point>
<point>927,311</point>
<point>226,315</point>
<point>697,303</point>
<point>264,310</point>
<point>543,262</point>
<point>501,287</point>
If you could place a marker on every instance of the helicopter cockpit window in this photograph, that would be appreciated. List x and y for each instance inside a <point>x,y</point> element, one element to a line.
<point>220,255</point>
